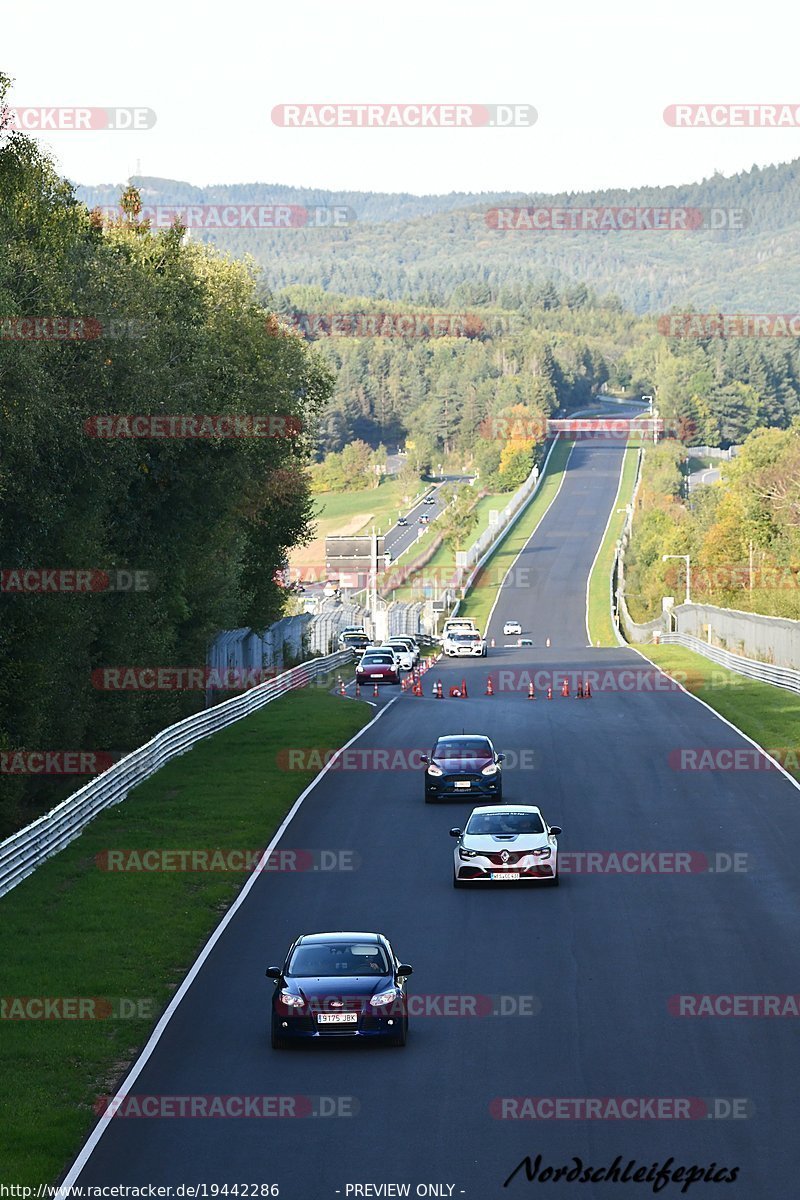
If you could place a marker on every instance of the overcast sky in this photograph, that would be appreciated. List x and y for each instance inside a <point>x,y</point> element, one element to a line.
<point>599,74</point>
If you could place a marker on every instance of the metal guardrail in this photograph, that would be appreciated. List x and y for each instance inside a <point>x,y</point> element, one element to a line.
<point>784,677</point>
<point>26,849</point>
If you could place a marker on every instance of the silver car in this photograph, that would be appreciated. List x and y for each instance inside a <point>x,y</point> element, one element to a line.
<point>502,844</point>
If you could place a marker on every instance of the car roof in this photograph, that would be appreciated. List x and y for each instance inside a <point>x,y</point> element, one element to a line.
<point>490,809</point>
<point>356,935</point>
<point>460,737</point>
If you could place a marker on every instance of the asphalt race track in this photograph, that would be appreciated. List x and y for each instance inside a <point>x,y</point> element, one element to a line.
<point>580,977</point>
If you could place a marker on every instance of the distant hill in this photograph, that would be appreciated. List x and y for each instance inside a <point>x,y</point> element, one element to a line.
<point>441,249</point>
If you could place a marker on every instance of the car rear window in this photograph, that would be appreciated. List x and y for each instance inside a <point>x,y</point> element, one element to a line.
<point>382,659</point>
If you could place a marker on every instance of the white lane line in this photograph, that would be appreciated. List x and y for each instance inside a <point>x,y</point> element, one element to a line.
<point>600,546</point>
<point>718,715</point>
<point>194,970</point>
<point>538,523</point>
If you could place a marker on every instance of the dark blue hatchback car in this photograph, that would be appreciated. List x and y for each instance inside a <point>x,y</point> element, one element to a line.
<point>337,986</point>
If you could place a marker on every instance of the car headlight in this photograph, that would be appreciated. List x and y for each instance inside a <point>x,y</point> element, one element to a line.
<point>434,770</point>
<point>490,770</point>
<point>384,997</point>
<point>462,853</point>
<point>543,853</point>
<point>290,1000</point>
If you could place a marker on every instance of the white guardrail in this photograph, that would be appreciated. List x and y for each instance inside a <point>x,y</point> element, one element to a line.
<point>784,677</point>
<point>26,849</point>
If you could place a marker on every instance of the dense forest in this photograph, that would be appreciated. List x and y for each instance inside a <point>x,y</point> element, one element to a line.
<point>450,396</point>
<point>444,251</point>
<point>205,521</point>
<point>743,534</point>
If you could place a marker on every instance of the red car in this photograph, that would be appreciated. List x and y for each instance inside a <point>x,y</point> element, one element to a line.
<point>378,666</point>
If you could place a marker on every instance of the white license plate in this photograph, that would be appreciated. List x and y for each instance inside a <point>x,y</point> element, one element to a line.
<point>463,783</point>
<point>337,1018</point>
<point>377,675</point>
<point>505,874</point>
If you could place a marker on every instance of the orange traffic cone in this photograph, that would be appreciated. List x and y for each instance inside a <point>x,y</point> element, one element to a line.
<point>587,690</point>
<point>464,688</point>
<point>437,690</point>
<point>531,691</point>
<point>565,687</point>
<point>489,686</point>
<point>358,690</point>
<point>550,693</point>
<point>454,691</point>
<point>375,690</point>
<point>492,643</point>
<point>341,687</point>
<point>579,691</point>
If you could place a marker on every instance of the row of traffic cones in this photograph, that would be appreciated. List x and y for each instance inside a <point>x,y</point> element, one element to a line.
<point>583,691</point>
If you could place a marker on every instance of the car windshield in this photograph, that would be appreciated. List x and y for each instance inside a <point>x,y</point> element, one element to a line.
<point>505,822</point>
<point>462,748</point>
<point>338,958</point>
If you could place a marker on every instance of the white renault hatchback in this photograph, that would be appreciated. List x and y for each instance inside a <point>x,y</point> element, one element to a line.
<point>502,844</point>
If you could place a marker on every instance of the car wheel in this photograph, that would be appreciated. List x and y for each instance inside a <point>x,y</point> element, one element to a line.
<point>400,1038</point>
<point>277,1040</point>
<point>458,883</point>
<point>430,799</point>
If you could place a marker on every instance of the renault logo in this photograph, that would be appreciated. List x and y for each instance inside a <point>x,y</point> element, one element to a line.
<point>504,855</point>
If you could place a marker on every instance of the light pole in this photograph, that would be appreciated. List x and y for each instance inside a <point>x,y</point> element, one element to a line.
<point>685,558</point>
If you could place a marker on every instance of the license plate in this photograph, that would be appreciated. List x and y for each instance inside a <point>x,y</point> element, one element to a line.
<point>462,783</point>
<point>505,874</point>
<point>377,674</point>
<point>337,1018</point>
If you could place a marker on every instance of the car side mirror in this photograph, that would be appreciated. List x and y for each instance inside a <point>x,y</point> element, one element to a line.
<point>424,758</point>
<point>501,758</point>
<point>555,830</point>
<point>273,973</point>
<point>405,969</point>
<point>455,833</point>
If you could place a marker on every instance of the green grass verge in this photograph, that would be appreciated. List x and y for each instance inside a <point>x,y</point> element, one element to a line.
<point>384,502</point>
<point>75,930</point>
<point>480,597</point>
<point>769,715</point>
<point>601,628</point>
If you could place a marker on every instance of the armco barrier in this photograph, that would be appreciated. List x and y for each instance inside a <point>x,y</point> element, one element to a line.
<point>784,677</point>
<point>25,850</point>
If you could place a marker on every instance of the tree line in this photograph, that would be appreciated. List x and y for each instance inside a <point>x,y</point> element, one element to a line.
<point>172,537</point>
